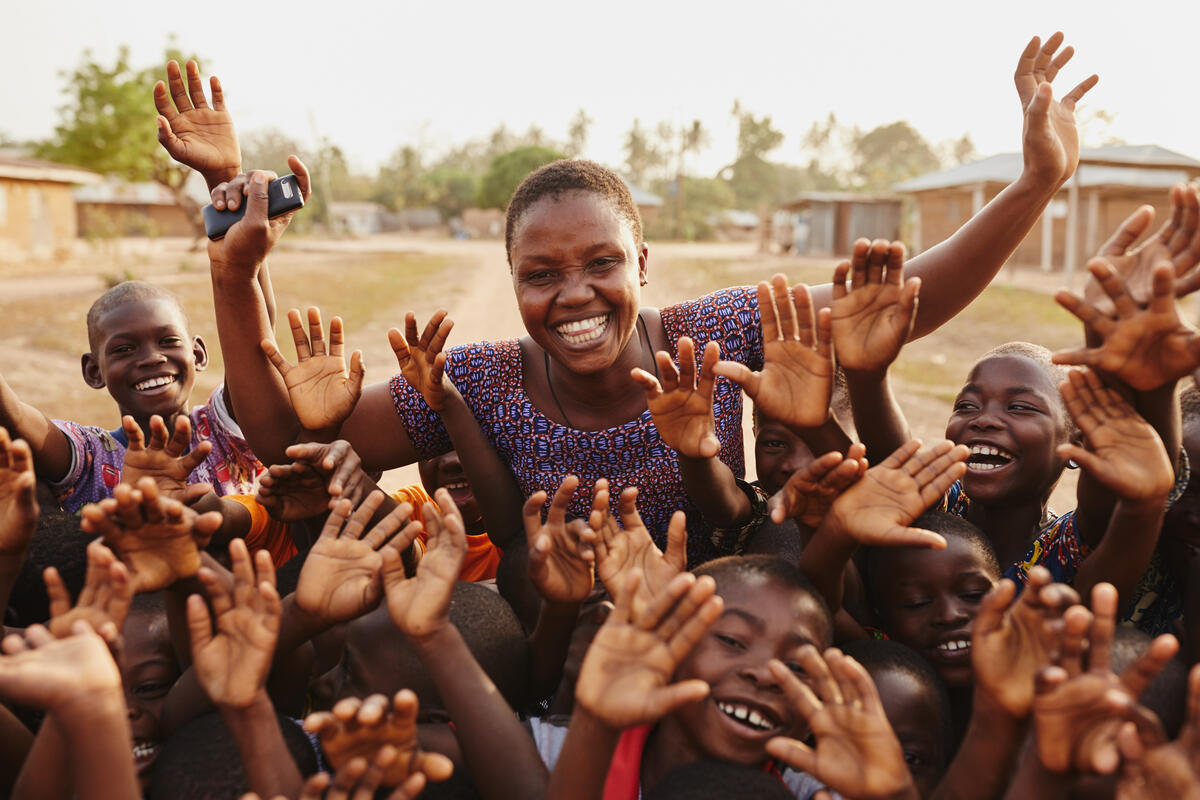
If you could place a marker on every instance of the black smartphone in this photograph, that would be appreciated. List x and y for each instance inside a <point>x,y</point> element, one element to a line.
<point>283,195</point>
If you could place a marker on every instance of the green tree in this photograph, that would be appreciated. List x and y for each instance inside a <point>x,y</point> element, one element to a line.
<point>401,181</point>
<point>892,153</point>
<point>451,189</point>
<point>577,133</point>
<point>508,170</point>
<point>108,126</point>
<point>752,177</point>
<point>642,155</point>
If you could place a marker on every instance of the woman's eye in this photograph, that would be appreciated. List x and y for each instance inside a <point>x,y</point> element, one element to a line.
<point>730,641</point>
<point>603,263</point>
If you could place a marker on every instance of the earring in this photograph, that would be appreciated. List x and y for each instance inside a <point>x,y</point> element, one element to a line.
<point>644,282</point>
<point>1072,464</point>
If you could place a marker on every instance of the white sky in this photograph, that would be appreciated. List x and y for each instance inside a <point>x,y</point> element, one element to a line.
<point>377,75</point>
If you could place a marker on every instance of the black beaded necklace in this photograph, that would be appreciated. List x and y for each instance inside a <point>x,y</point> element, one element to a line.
<point>645,337</point>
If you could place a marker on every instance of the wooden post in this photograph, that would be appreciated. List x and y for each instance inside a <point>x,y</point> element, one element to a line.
<point>1072,228</point>
<point>1048,237</point>
<point>1093,221</point>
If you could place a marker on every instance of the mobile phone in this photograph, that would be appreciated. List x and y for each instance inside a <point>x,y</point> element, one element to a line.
<point>283,195</point>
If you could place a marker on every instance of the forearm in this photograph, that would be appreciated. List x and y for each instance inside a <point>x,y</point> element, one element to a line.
<point>548,645</point>
<point>499,753</point>
<point>270,769</point>
<point>878,419</point>
<point>48,772</point>
<point>256,392</point>
<point>49,445</point>
<point>1034,782</point>
<point>711,485</point>
<point>296,627</point>
<point>824,562</point>
<point>582,766</point>
<point>10,569</point>
<point>268,293</point>
<point>15,744</point>
<point>1124,553</point>
<point>98,736</point>
<point>492,482</point>
<point>954,272</point>
<point>987,756</point>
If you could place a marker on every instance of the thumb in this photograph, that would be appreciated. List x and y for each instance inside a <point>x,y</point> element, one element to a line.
<point>740,374</point>
<point>198,622</point>
<point>256,198</point>
<point>166,136</point>
<point>661,702</point>
<point>194,492</point>
<point>1039,106</point>
<point>676,554</point>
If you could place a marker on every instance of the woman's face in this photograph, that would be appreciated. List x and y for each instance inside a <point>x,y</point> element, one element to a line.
<point>577,273</point>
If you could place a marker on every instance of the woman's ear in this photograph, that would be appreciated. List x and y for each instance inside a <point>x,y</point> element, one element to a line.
<point>643,257</point>
<point>200,353</point>
<point>90,366</point>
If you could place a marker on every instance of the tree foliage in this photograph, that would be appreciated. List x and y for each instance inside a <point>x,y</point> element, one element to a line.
<point>508,170</point>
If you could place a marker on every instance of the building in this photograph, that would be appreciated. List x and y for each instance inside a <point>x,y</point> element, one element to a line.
<point>1109,185</point>
<point>648,203</point>
<point>116,208</point>
<point>37,211</point>
<point>827,223</point>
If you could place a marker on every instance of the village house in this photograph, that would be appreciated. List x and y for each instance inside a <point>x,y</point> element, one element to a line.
<point>37,211</point>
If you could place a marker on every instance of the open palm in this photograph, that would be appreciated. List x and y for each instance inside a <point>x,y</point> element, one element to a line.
<point>321,391</point>
<point>194,134</point>
<point>681,403</point>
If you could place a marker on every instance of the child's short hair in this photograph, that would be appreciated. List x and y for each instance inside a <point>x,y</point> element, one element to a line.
<point>201,760</point>
<point>884,654</point>
<point>568,175</point>
<point>1034,352</point>
<point>718,780</point>
<point>767,566</point>
<point>1189,403</point>
<point>57,542</point>
<point>128,292</point>
<point>1166,695</point>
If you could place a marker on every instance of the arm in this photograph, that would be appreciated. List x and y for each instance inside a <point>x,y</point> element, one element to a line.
<point>51,450</point>
<point>18,509</point>
<point>423,365</point>
<point>498,752</point>
<point>957,270</point>
<point>682,409</point>
<point>871,321</point>
<point>231,664</point>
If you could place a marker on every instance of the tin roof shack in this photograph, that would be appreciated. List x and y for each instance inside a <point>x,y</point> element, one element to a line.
<point>1109,185</point>
<point>37,212</point>
<point>827,223</point>
<point>116,208</point>
<point>648,203</point>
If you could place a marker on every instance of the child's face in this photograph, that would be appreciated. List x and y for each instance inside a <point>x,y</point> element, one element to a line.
<point>577,275</point>
<point>145,357</point>
<point>777,454</point>
<point>927,599</point>
<point>148,671</point>
<point>446,472</point>
<point>762,620</point>
<point>911,707</point>
<point>1011,415</point>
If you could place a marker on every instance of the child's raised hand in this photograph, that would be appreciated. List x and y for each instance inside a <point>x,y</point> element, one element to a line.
<point>340,577</point>
<point>232,663</point>
<point>1050,139</point>
<point>874,317</point>
<point>1144,347</point>
<point>618,551</point>
<point>18,496</point>
<point>104,601</point>
<point>682,404</point>
<point>809,492</point>
<point>796,381</point>
<point>420,606</point>
<point>158,539</point>
<point>51,674</point>
<point>1011,640</point>
<point>1170,771</point>
<point>1177,241</point>
<point>307,486</point>
<point>877,510</point>
<point>246,245</point>
<point>359,728</point>
<point>1123,450</point>
<point>857,753</point>
<point>1077,713</point>
<point>625,678</point>
<point>562,555</point>
<point>321,391</point>
<point>165,459</point>
<point>191,132</point>
<point>421,360</point>
<point>359,779</point>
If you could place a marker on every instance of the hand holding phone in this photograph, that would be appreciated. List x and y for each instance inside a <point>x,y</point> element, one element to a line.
<point>283,195</point>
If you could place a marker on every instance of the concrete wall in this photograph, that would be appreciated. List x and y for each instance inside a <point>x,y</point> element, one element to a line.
<point>37,219</point>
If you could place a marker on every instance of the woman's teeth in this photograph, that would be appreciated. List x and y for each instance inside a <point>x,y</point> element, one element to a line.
<point>985,457</point>
<point>583,330</point>
<point>153,383</point>
<point>456,485</point>
<point>746,716</point>
<point>955,646</point>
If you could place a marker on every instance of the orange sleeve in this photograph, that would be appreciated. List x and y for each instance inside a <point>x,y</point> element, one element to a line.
<point>266,532</point>
<point>483,557</point>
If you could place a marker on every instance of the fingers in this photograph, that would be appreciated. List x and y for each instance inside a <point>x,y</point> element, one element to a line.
<point>740,374</point>
<point>1137,676</point>
<point>840,273</point>
<point>1104,625</point>
<point>218,94</point>
<point>676,554</point>
<point>195,86</point>
<point>179,94</point>
<point>315,333</point>
<point>56,590</point>
<point>199,623</point>
<point>556,518</point>
<point>1130,231</point>
<point>627,508</point>
<point>1071,98</point>
<point>990,616</point>
<point>301,172</point>
<point>767,313</point>
<point>257,200</point>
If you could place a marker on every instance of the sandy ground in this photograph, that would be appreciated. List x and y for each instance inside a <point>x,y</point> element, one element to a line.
<point>373,281</point>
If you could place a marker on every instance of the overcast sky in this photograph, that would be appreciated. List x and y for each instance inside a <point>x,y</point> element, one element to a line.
<point>377,75</point>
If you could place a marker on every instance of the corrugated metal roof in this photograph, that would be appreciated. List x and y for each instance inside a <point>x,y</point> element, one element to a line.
<point>1006,167</point>
<point>147,193</point>
<point>806,198</point>
<point>642,197</point>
